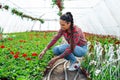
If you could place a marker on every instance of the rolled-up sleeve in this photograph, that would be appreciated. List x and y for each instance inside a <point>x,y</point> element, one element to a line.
<point>55,39</point>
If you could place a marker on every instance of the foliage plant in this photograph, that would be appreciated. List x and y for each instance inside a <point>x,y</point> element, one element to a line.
<point>19,55</point>
<point>20,14</point>
<point>97,62</point>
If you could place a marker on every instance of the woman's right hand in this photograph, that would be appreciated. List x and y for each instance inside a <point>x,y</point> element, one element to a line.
<point>40,56</point>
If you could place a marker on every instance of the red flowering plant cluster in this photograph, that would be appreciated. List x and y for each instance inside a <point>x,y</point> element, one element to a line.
<point>25,55</point>
<point>2,46</point>
<point>34,54</point>
<point>19,56</point>
<point>10,39</point>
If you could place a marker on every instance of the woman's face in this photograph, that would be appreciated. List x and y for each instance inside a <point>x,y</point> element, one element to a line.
<point>64,25</point>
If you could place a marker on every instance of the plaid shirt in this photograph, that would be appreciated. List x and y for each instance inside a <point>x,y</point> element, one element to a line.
<point>78,39</point>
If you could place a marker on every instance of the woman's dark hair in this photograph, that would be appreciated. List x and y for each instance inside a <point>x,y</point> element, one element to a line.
<point>69,18</point>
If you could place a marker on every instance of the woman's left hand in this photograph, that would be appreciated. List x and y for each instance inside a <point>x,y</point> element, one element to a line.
<point>52,61</point>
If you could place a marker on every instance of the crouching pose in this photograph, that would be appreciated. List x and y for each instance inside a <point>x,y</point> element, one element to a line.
<point>76,46</point>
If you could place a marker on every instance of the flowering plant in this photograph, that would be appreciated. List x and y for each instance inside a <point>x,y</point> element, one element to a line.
<point>103,58</point>
<point>19,56</point>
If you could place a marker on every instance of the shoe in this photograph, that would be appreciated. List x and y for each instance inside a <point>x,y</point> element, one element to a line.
<point>74,66</point>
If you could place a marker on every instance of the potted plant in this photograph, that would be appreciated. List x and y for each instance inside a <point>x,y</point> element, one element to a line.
<point>1,32</point>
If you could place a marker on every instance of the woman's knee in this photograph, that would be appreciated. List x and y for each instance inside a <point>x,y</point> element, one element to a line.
<point>63,47</point>
<point>79,51</point>
<point>56,50</point>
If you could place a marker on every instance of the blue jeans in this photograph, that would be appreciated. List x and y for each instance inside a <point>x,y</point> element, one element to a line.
<point>79,51</point>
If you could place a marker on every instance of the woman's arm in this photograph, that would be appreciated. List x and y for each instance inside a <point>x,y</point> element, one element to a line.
<point>54,40</point>
<point>76,39</point>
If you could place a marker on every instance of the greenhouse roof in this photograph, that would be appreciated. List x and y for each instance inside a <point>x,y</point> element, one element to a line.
<point>93,16</point>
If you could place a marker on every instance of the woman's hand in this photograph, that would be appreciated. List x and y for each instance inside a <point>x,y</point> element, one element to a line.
<point>40,56</point>
<point>53,60</point>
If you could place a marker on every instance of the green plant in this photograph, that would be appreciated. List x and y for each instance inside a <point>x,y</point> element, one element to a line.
<point>21,14</point>
<point>19,56</point>
<point>99,65</point>
<point>6,7</point>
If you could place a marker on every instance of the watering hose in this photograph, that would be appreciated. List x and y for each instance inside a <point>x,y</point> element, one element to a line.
<point>66,78</point>
<point>75,78</point>
<point>54,68</point>
<point>65,70</point>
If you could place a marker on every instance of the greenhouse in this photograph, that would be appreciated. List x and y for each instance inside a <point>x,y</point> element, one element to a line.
<point>59,40</point>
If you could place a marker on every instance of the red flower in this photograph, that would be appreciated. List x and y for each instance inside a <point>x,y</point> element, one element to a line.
<point>16,56</point>
<point>12,52</point>
<point>28,58</point>
<point>34,54</point>
<point>21,46</point>
<point>24,55</point>
<point>17,53</point>
<point>2,46</point>
<point>22,41</point>
<point>10,38</point>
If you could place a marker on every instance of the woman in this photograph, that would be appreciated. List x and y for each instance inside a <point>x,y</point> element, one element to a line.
<point>77,44</point>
